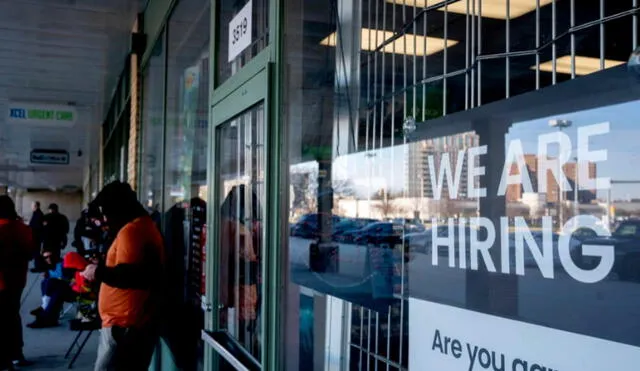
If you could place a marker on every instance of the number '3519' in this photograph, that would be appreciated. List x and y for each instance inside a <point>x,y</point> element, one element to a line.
<point>239,31</point>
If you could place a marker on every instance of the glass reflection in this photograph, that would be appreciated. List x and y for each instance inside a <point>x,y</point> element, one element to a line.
<point>241,214</point>
<point>395,200</point>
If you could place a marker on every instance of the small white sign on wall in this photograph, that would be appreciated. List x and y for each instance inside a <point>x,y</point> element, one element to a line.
<point>240,31</point>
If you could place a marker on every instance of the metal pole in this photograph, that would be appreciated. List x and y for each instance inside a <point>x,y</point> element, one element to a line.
<point>609,208</point>
<point>575,192</point>
<point>560,192</point>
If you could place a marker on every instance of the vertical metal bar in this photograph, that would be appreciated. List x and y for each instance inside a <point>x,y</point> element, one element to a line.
<point>389,337</point>
<point>368,339</point>
<point>384,56</point>
<point>377,332</point>
<point>507,41</point>
<point>393,80</point>
<point>573,39</point>
<point>479,52</point>
<point>382,34</point>
<point>537,44</point>
<point>236,263</point>
<point>635,26</point>
<point>473,55</point>
<point>602,51</point>
<point>361,335</point>
<point>368,118</point>
<point>446,52</point>
<point>347,330</point>
<point>466,59</point>
<point>553,45</point>
<point>404,62</point>
<point>415,60</point>
<point>424,67</point>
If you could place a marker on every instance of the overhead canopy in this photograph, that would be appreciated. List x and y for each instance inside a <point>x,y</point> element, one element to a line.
<point>59,63</point>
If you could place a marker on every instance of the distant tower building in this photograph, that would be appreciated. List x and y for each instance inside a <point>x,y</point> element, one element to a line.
<point>417,177</point>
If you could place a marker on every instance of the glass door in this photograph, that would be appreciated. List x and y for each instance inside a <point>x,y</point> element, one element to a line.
<point>235,332</point>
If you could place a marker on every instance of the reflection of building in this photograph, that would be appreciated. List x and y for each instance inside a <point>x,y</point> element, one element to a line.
<point>515,192</point>
<point>417,177</point>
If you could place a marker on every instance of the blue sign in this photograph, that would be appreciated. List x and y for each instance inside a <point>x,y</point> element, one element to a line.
<point>49,157</point>
<point>18,113</point>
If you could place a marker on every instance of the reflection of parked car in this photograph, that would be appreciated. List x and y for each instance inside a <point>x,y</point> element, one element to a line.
<point>538,237</point>
<point>379,234</point>
<point>342,231</point>
<point>582,234</point>
<point>421,241</point>
<point>626,240</point>
<point>309,226</point>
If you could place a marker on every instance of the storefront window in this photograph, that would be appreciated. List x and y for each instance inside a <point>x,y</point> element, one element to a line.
<point>152,141</point>
<point>243,33</point>
<point>184,217</point>
<point>435,224</point>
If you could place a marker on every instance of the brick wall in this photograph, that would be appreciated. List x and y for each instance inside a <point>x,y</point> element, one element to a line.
<point>132,165</point>
<point>134,128</point>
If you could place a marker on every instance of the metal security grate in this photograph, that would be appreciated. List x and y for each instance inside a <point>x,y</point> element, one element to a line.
<point>427,59</point>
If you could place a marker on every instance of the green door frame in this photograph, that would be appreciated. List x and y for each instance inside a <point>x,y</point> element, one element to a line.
<point>254,90</point>
<point>259,80</point>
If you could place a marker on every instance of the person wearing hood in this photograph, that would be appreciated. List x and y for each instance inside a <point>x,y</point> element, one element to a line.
<point>132,280</point>
<point>16,250</point>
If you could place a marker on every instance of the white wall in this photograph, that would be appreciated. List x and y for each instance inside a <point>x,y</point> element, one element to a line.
<point>70,203</point>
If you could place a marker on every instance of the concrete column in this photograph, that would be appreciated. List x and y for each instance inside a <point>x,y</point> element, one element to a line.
<point>347,76</point>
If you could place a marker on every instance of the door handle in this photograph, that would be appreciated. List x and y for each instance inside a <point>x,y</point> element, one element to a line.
<point>205,304</point>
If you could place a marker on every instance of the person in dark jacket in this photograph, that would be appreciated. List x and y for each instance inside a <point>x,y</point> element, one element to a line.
<point>16,249</point>
<point>56,229</point>
<point>36,223</point>
<point>132,282</point>
<point>85,234</point>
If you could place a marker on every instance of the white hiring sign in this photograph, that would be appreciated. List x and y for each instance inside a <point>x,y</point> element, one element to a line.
<point>446,338</point>
<point>240,31</point>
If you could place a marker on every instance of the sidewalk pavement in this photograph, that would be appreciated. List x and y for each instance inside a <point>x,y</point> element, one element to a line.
<point>47,347</point>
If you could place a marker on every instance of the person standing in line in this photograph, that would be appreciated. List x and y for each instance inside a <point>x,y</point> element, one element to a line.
<point>16,250</point>
<point>36,223</point>
<point>132,282</point>
<point>56,230</point>
<point>85,233</point>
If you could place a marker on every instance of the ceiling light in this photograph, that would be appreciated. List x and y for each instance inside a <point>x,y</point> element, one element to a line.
<point>584,65</point>
<point>496,9</point>
<point>408,44</point>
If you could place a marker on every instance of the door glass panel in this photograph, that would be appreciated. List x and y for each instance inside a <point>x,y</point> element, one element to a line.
<point>243,30</point>
<point>241,163</point>
<point>152,130</point>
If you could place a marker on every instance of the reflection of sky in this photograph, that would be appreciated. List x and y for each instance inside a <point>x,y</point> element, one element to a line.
<point>376,169</point>
<point>621,143</point>
<point>387,167</point>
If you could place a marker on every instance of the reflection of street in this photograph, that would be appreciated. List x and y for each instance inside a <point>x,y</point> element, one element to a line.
<point>353,281</point>
<point>352,258</point>
<point>561,302</point>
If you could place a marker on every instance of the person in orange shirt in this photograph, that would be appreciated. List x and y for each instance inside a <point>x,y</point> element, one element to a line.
<point>16,250</point>
<point>132,280</point>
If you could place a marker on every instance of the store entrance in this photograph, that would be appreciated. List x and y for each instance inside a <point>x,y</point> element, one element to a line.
<point>235,331</point>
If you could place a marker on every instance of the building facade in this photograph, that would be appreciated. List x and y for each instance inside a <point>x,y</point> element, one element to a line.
<point>252,119</point>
